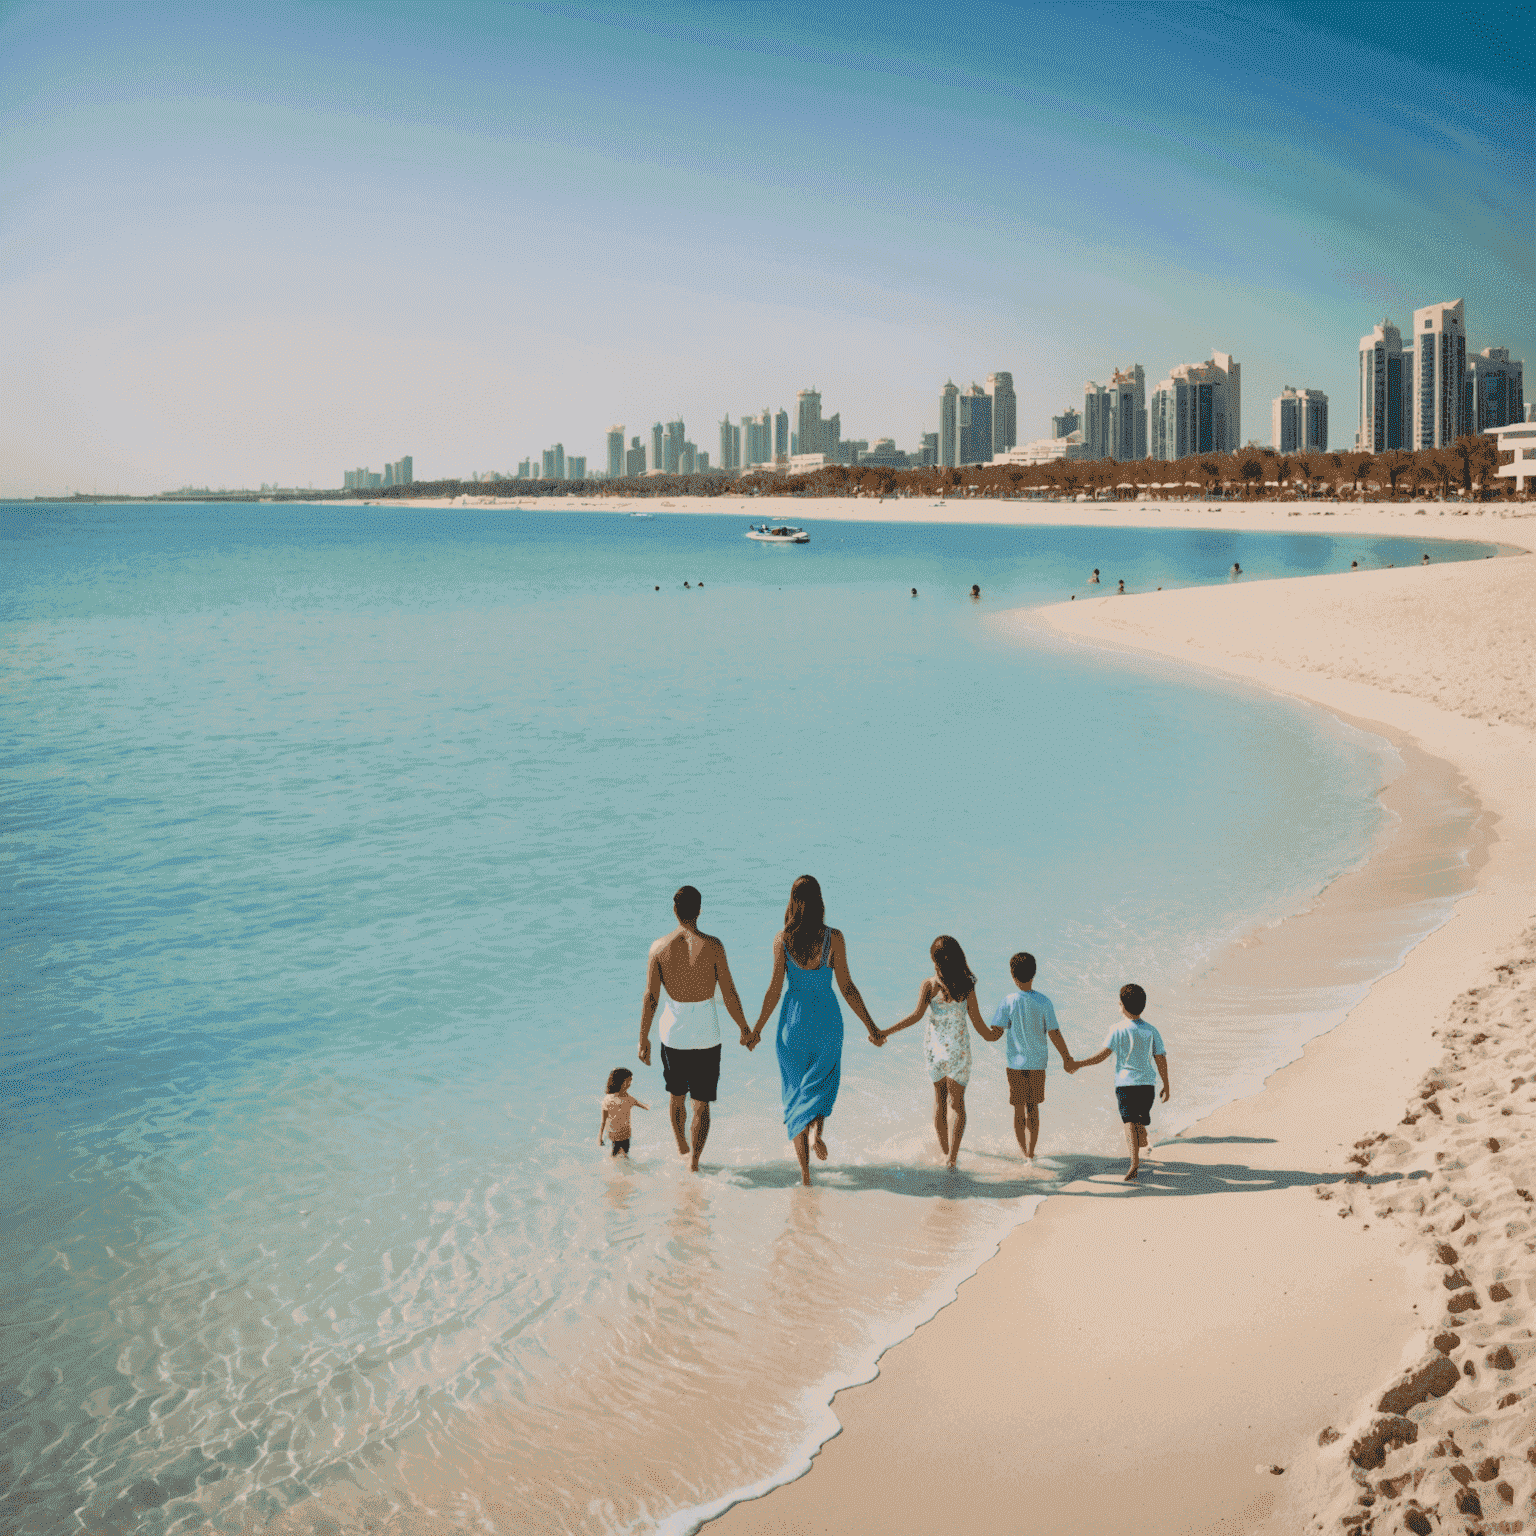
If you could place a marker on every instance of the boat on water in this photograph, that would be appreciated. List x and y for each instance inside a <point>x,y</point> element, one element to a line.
<point>777,533</point>
<point>642,514</point>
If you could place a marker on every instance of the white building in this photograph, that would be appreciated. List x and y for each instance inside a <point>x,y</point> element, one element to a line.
<point>1198,408</point>
<point>1043,450</point>
<point>1439,375</point>
<point>1299,420</point>
<point>1518,438</point>
<point>805,463</point>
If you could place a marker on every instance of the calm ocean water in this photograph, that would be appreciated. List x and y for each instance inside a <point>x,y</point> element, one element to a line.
<point>334,842</point>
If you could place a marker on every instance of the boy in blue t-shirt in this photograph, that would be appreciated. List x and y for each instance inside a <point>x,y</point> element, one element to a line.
<point>1029,1018</point>
<point>1137,1048</point>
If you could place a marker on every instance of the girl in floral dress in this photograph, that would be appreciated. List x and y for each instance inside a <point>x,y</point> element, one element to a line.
<point>948,997</point>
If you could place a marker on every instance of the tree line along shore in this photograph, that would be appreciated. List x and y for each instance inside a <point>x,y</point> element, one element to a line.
<point>1469,468</point>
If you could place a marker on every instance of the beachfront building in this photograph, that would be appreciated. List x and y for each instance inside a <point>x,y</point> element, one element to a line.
<point>525,467</point>
<point>1439,375</point>
<point>885,455</point>
<point>928,453</point>
<point>1005,411</point>
<point>815,435</point>
<point>1495,390</point>
<point>554,463</point>
<point>973,426</point>
<point>634,459</point>
<point>805,463</point>
<point>1043,450</point>
<point>1299,421</point>
<point>672,446</point>
<point>1518,438</point>
<point>781,435</point>
<point>1386,390</point>
<point>949,413</point>
<point>657,431</point>
<point>730,444</point>
<point>757,438</point>
<point>615,452</point>
<point>576,467</point>
<point>1069,421</point>
<point>1114,424</point>
<point>1198,408</point>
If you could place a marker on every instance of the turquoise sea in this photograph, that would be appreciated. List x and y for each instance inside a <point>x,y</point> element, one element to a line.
<point>334,840</point>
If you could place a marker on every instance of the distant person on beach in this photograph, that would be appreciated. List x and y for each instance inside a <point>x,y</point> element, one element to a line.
<point>914,591</point>
<point>976,590</point>
<point>1237,570</point>
<point>1028,1018</point>
<point>617,1103</point>
<point>689,965</point>
<point>1426,557</point>
<point>807,957</point>
<point>949,998</point>
<point>1138,1049</point>
<point>1093,580</point>
<point>1121,587</point>
<point>1354,565</point>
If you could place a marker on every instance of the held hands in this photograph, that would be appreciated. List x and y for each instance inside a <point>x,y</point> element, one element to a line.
<point>877,1037</point>
<point>1071,1065</point>
<point>749,1040</point>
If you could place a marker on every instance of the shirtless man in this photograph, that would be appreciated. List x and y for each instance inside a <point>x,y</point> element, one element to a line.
<point>689,965</point>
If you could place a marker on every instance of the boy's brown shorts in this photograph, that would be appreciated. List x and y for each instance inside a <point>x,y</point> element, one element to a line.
<point>1026,1087</point>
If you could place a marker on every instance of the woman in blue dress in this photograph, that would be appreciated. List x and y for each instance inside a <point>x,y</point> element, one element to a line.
<point>807,957</point>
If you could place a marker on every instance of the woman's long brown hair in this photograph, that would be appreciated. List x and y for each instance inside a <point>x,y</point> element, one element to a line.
<point>805,919</point>
<point>949,962</point>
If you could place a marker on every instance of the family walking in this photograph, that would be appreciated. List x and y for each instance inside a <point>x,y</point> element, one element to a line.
<point>687,968</point>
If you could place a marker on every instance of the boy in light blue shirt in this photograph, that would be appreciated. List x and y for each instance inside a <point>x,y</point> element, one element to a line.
<point>1138,1050</point>
<point>1030,1021</point>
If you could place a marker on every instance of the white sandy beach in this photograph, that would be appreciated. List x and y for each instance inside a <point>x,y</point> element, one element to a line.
<point>1176,1346</point>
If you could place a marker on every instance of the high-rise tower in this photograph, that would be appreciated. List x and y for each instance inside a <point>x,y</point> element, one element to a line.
<point>615,452</point>
<point>1386,387</point>
<point>1439,373</point>
<point>1198,408</point>
<point>949,412</point>
<point>1005,412</point>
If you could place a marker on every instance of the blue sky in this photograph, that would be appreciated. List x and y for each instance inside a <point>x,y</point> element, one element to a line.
<point>246,244</point>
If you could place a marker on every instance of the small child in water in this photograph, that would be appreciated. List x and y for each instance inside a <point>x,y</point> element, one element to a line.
<point>1137,1048</point>
<point>617,1104</point>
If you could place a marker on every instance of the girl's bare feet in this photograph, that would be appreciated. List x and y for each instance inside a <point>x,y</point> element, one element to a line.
<point>819,1147</point>
<point>1135,1169</point>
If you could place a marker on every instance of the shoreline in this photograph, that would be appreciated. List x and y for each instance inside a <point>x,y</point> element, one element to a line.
<point>1336,1292</point>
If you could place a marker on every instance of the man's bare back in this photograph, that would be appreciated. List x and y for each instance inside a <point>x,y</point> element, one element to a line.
<point>689,963</point>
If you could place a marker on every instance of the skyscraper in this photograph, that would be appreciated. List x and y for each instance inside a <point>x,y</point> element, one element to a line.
<point>949,411</point>
<point>634,460</point>
<point>1068,421</point>
<point>1440,370</point>
<point>1005,411</point>
<point>781,435</point>
<point>1198,408</point>
<point>1386,389</point>
<point>1495,390</point>
<point>973,426</point>
<point>729,437</point>
<point>688,459</point>
<point>554,462</point>
<point>656,434</point>
<point>814,434</point>
<point>1299,421</point>
<point>1114,423</point>
<point>672,446</point>
<point>576,467</point>
<point>615,452</point>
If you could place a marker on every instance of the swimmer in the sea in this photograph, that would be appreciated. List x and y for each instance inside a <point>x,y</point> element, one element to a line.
<point>1093,580</point>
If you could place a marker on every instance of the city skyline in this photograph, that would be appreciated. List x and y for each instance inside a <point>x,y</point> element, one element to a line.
<point>240,243</point>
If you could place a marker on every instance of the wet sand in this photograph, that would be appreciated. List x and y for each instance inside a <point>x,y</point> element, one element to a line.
<point>1132,1360</point>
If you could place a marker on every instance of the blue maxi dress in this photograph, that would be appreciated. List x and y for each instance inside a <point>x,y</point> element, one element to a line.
<point>809,1041</point>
